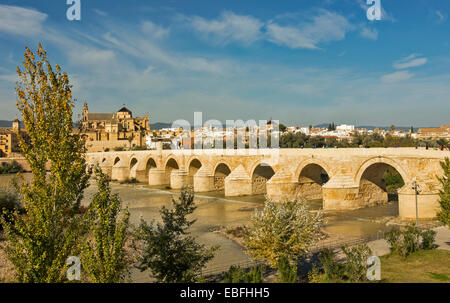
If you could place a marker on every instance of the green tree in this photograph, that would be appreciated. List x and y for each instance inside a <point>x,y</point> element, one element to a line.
<point>130,140</point>
<point>103,255</point>
<point>47,233</point>
<point>170,252</point>
<point>284,229</point>
<point>444,193</point>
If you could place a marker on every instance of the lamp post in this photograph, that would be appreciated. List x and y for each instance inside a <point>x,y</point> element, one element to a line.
<point>417,190</point>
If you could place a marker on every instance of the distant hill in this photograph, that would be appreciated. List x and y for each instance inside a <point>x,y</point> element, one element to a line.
<point>160,125</point>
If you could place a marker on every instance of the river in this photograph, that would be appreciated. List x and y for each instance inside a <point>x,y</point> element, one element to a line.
<point>215,211</point>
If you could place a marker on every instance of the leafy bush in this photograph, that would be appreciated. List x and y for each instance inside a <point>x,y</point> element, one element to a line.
<point>10,168</point>
<point>333,270</point>
<point>282,229</point>
<point>393,238</point>
<point>428,239</point>
<point>237,274</point>
<point>9,202</point>
<point>355,266</point>
<point>315,275</point>
<point>410,240</point>
<point>287,272</point>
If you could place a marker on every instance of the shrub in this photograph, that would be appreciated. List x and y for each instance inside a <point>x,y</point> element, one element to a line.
<point>287,272</point>
<point>393,238</point>
<point>315,276</point>
<point>355,266</point>
<point>237,274</point>
<point>428,239</point>
<point>9,202</point>
<point>282,229</point>
<point>410,240</point>
<point>10,168</point>
<point>333,270</point>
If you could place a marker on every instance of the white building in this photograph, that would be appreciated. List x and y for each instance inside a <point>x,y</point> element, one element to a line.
<point>345,127</point>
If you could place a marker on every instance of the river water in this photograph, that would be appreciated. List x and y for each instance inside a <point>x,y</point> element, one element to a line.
<point>215,211</point>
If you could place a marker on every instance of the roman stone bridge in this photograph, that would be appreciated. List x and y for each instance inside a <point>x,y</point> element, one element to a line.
<point>347,178</point>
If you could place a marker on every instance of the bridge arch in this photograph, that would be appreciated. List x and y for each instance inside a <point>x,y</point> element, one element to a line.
<point>116,160</point>
<point>311,178</point>
<point>383,160</point>
<point>221,171</point>
<point>310,161</point>
<point>260,174</point>
<point>193,166</point>
<point>170,165</point>
<point>378,180</point>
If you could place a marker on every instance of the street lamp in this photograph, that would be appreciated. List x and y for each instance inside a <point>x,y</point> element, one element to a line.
<point>417,190</point>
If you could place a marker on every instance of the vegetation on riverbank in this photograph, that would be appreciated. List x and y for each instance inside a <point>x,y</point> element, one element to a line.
<point>10,168</point>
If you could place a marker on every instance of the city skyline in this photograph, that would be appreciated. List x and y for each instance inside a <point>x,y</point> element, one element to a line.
<point>306,63</point>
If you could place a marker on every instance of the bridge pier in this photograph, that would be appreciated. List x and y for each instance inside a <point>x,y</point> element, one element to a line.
<point>340,193</point>
<point>281,187</point>
<point>178,178</point>
<point>157,177</point>
<point>427,204</point>
<point>120,172</point>
<point>238,183</point>
<point>203,180</point>
<point>139,175</point>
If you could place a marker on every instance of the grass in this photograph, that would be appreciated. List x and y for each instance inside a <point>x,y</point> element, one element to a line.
<point>425,266</point>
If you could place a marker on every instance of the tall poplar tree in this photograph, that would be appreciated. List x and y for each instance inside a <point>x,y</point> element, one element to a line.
<point>47,233</point>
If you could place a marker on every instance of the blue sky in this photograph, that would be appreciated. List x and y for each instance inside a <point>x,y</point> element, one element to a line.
<point>300,62</point>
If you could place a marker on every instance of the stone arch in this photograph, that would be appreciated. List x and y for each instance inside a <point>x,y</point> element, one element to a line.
<point>260,174</point>
<point>192,168</point>
<point>311,178</point>
<point>170,165</point>
<point>116,160</point>
<point>133,163</point>
<point>103,160</point>
<point>372,185</point>
<point>309,161</point>
<point>221,171</point>
<point>384,160</point>
<point>150,163</point>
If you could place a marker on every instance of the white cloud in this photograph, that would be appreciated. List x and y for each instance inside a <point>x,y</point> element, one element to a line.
<point>229,27</point>
<point>153,30</point>
<point>21,21</point>
<point>410,61</point>
<point>289,36</point>
<point>396,76</point>
<point>100,12</point>
<point>325,27</point>
<point>369,33</point>
<point>91,56</point>
<point>442,17</point>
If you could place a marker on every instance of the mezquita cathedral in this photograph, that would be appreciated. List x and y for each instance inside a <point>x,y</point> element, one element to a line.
<point>105,131</point>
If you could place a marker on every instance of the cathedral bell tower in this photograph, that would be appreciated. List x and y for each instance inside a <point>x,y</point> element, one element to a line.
<point>85,113</point>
